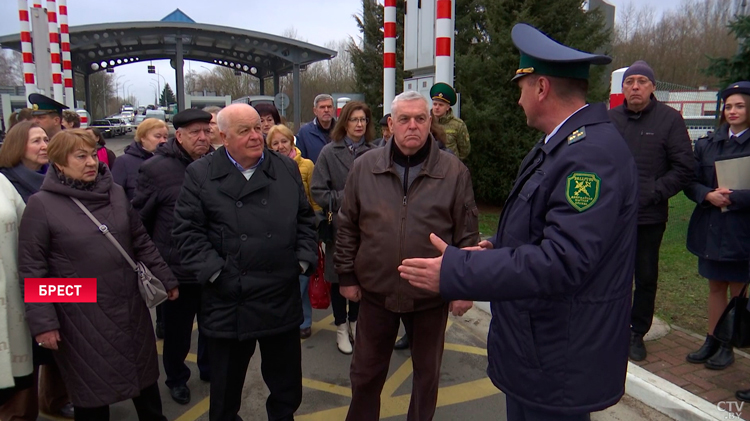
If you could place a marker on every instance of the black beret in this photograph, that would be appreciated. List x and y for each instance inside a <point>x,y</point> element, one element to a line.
<point>742,87</point>
<point>190,116</point>
<point>384,120</point>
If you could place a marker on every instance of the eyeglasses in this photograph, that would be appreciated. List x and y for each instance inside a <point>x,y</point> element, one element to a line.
<point>359,120</point>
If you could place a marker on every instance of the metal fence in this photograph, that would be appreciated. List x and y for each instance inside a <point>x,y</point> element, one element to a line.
<point>698,106</point>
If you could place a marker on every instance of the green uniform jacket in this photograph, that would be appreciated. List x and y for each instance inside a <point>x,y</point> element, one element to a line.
<point>457,134</point>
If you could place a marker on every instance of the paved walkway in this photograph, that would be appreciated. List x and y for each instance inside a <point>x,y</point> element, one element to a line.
<point>465,390</point>
<point>666,358</point>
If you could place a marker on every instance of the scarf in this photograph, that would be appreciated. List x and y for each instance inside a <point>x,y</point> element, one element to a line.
<point>77,184</point>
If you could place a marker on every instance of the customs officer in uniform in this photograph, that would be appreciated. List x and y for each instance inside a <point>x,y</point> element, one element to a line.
<point>559,272</point>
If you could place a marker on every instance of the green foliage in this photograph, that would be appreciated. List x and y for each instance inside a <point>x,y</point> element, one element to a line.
<point>167,96</point>
<point>737,67</point>
<point>485,62</point>
<point>367,55</point>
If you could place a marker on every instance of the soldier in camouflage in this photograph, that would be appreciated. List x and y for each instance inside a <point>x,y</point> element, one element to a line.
<point>443,98</point>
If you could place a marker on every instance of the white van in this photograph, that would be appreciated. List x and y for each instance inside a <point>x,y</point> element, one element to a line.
<point>156,114</point>
<point>85,117</point>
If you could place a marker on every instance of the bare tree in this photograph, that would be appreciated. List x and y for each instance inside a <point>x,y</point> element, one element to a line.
<point>11,68</point>
<point>678,45</point>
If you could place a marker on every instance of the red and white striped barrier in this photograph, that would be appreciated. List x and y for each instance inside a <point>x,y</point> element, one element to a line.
<point>54,52</point>
<point>340,104</point>
<point>444,42</point>
<point>389,55</point>
<point>26,50</point>
<point>616,97</point>
<point>67,66</point>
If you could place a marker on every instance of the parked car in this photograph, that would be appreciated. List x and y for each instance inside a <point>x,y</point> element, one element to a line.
<point>161,115</point>
<point>117,125</point>
<point>138,119</point>
<point>104,126</point>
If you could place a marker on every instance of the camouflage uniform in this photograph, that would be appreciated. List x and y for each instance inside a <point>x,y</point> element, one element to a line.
<point>457,135</point>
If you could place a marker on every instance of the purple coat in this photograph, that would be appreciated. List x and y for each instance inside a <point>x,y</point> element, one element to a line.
<point>108,351</point>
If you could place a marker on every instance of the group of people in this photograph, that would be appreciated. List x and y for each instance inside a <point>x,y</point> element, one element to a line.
<point>225,214</point>
<point>668,164</point>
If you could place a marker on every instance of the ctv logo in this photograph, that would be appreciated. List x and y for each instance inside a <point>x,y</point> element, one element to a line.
<point>732,409</point>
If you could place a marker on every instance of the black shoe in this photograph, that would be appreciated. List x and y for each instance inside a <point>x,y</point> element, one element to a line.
<point>160,330</point>
<point>722,359</point>
<point>743,395</point>
<point>205,377</point>
<point>305,333</point>
<point>637,347</point>
<point>706,351</point>
<point>402,343</point>
<point>67,411</point>
<point>180,394</point>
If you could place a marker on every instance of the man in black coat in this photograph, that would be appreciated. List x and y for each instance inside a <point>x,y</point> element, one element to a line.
<point>657,137</point>
<point>157,188</point>
<point>246,231</point>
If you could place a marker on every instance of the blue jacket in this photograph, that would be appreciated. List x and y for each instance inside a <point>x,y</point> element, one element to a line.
<point>310,140</point>
<point>713,234</point>
<point>561,272</point>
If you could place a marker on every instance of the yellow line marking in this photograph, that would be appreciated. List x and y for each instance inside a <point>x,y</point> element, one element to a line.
<point>325,415</point>
<point>327,387</point>
<point>193,358</point>
<point>467,349</point>
<point>465,392</point>
<point>325,324</point>
<point>196,411</point>
<point>448,325</point>
<point>397,378</point>
<point>195,326</point>
<point>392,406</point>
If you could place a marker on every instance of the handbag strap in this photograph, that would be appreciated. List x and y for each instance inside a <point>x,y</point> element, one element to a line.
<point>330,207</point>
<point>104,230</point>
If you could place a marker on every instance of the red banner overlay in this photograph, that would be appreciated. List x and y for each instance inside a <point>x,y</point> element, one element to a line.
<point>60,290</point>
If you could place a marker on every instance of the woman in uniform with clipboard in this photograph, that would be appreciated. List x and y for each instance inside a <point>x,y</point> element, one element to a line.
<point>719,230</point>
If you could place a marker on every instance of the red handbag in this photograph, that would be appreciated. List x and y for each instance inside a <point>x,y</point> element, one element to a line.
<point>318,289</point>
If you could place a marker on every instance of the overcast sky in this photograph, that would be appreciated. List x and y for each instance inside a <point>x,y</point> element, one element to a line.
<point>316,21</point>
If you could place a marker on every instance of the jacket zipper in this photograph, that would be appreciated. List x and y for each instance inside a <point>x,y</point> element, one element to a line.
<point>403,226</point>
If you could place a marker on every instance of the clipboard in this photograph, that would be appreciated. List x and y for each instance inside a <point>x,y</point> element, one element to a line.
<point>733,173</point>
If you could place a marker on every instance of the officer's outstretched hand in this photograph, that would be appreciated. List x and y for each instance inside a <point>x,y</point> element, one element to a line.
<point>425,273</point>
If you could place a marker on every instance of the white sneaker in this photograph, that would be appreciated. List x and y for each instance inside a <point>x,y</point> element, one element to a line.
<point>353,331</point>
<point>342,338</point>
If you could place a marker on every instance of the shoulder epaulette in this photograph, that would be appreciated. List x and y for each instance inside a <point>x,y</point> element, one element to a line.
<point>577,135</point>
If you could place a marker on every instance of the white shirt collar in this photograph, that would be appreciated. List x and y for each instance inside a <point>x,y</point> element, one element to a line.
<point>549,136</point>
<point>737,134</point>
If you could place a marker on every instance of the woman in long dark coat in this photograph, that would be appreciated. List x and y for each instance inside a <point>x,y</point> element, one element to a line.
<point>352,137</point>
<point>719,230</point>
<point>106,350</point>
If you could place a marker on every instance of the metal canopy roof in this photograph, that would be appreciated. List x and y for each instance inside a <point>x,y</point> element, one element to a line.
<point>96,47</point>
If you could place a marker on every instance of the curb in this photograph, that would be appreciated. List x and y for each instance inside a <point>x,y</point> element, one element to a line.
<point>659,394</point>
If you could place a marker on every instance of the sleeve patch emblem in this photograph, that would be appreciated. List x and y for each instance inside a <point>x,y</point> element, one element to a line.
<point>582,190</point>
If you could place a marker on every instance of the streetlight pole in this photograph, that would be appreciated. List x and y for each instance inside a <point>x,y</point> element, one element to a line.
<point>156,90</point>
<point>157,83</point>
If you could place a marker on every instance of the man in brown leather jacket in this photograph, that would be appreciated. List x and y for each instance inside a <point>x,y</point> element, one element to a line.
<point>394,198</point>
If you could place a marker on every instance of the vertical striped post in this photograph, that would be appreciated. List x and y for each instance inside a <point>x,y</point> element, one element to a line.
<point>37,4</point>
<point>54,52</point>
<point>65,47</point>
<point>444,42</point>
<point>389,55</point>
<point>26,50</point>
